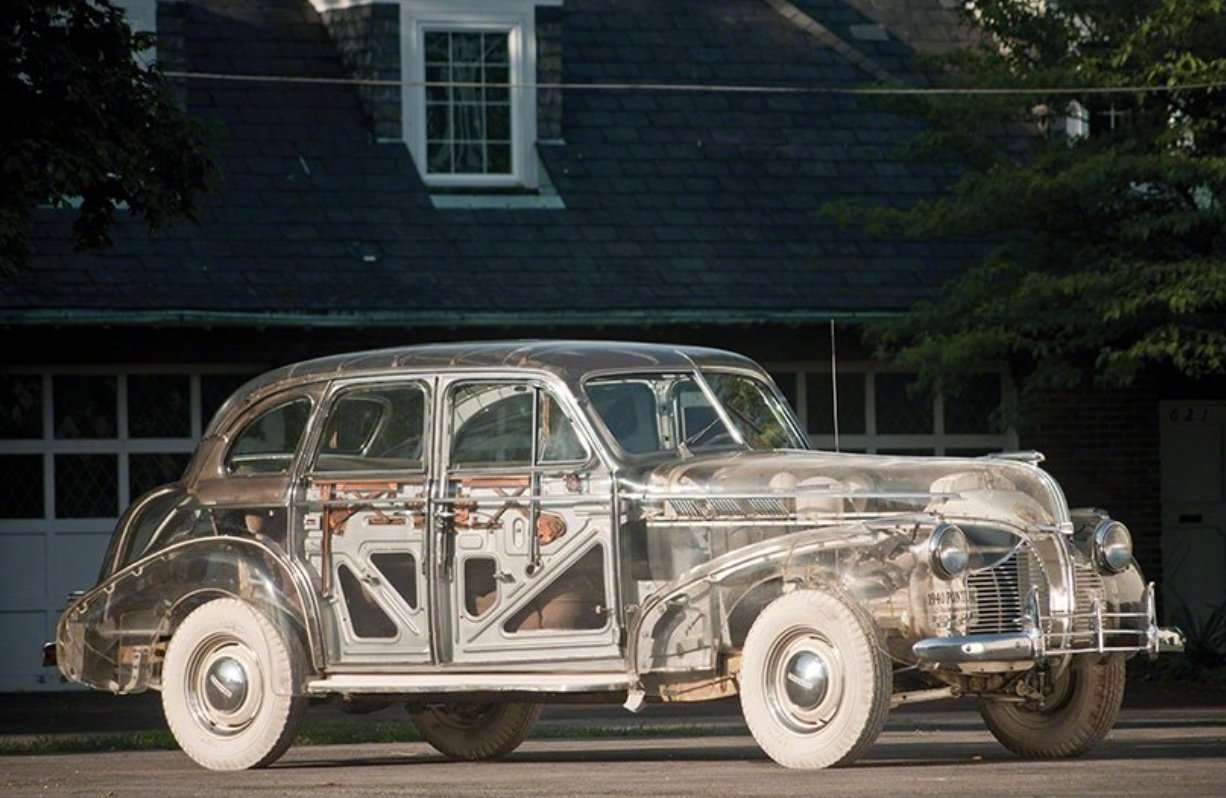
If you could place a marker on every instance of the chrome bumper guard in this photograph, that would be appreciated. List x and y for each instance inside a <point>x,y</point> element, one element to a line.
<point>1036,640</point>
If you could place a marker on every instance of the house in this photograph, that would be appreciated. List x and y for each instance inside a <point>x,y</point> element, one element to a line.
<point>552,192</point>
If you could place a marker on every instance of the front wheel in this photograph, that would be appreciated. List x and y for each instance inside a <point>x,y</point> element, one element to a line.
<point>228,687</point>
<point>475,731</point>
<point>1076,714</point>
<point>815,684</point>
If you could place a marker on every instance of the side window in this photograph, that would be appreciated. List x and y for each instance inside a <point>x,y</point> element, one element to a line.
<point>495,425</point>
<point>374,428</point>
<point>628,409</point>
<point>267,445</point>
<point>557,439</point>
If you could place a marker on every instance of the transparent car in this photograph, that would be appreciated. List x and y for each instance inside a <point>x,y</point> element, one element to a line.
<point>474,530</point>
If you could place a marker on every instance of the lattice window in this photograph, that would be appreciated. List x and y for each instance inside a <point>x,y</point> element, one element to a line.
<point>85,406</point>
<point>86,485</point>
<point>468,102</point>
<point>159,406</point>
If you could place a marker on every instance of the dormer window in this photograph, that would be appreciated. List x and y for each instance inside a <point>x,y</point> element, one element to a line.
<point>470,102</point>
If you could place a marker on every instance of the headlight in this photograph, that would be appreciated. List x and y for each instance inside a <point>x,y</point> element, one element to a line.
<point>1112,546</point>
<point>948,551</point>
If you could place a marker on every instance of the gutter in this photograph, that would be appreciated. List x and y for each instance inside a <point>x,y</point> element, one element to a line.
<point>428,318</point>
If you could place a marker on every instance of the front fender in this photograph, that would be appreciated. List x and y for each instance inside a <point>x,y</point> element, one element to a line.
<point>110,637</point>
<point>683,626</point>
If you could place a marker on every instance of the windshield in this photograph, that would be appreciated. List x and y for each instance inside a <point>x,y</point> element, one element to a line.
<point>648,413</point>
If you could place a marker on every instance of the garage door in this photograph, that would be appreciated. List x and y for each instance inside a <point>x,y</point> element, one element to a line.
<point>75,447</point>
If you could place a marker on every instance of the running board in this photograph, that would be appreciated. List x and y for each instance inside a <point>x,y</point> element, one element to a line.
<point>403,683</point>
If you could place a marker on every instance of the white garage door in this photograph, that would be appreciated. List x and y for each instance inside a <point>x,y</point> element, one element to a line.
<point>75,447</point>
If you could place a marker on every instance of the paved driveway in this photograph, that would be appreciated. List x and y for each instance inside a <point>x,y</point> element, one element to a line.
<point>1172,752</point>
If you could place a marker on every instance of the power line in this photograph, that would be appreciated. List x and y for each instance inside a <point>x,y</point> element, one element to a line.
<point>705,87</point>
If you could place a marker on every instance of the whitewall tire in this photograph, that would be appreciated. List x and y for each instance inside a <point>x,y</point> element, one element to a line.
<point>814,682</point>
<point>228,684</point>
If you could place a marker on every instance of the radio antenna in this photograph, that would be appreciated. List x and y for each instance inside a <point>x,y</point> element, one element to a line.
<point>834,385</point>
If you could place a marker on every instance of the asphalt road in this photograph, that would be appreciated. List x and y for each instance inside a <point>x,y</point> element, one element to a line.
<point>1178,752</point>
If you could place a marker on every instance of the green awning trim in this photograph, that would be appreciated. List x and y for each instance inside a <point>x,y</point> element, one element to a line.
<point>429,318</point>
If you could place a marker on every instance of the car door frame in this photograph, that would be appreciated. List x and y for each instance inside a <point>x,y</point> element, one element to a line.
<point>549,488</point>
<point>346,501</point>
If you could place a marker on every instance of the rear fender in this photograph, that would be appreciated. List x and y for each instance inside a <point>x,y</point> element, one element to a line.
<point>113,638</point>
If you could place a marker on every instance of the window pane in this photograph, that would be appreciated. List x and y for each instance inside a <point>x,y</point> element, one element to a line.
<point>86,485</point>
<point>753,410</point>
<point>559,443</point>
<point>465,117</point>
<point>437,46</point>
<point>970,410</point>
<point>267,445</point>
<point>469,157</point>
<point>21,406</point>
<point>898,412</point>
<point>159,406</point>
<point>438,156</point>
<point>820,404</point>
<point>628,409</point>
<point>375,428</point>
<point>492,425</point>
<point>499,159</point>
<point>22,477</point>
<point>148,471</point>
<point>85,407</point>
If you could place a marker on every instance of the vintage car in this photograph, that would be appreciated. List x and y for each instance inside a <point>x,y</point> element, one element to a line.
<point>477,529</point>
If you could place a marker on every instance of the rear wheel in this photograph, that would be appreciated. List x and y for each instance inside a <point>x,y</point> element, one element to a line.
<point>815,684</point>
<point>1076,714</point>
<point>228,685</point>
<point>475,731</point>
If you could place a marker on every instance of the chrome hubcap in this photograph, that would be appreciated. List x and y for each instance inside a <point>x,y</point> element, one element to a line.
<point>804,681</point>
<point>226,684</point>
<point>225,687</point>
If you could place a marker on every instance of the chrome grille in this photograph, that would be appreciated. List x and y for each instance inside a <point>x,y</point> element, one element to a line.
<point>1000,591</point>
<point>997,597</point>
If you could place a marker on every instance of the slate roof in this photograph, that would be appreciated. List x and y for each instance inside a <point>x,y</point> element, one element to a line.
<point>682,206</point>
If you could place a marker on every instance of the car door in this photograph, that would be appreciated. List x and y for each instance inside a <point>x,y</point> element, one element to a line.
<point>366,503</point>
<point>525,556</point>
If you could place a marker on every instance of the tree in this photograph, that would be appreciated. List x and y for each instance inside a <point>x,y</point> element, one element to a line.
<point>1104,255</point>
<point>87,125</point>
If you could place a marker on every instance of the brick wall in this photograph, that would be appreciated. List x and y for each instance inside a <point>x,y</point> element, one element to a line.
<point>1104,450</point>
<point>368,38</point>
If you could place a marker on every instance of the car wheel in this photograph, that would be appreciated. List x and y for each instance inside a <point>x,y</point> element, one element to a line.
<point>475,731</point>
<point>814,682</point>
<point>1079,711</point>
<point>228,685</point>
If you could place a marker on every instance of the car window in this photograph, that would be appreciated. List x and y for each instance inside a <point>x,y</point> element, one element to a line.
<point>558,440</point>
<point>267,444</point>
<point>754,410</point>
<point>375,427</point>
<point>628,409</point>
<point>491,425</point>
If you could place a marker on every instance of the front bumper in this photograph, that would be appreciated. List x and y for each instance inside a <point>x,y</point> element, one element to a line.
<point>1096,631</point>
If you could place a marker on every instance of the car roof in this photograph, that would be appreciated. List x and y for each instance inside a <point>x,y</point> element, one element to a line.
<point>569,360</point>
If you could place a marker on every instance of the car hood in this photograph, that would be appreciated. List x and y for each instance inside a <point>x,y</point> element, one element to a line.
<point>859,485</point>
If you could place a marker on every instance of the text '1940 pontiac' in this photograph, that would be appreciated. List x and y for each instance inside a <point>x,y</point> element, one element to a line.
<point>477,529</point>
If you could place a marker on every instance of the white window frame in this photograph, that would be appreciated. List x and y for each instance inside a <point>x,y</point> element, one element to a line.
<point>938,441</point>
<point>517,18</point>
